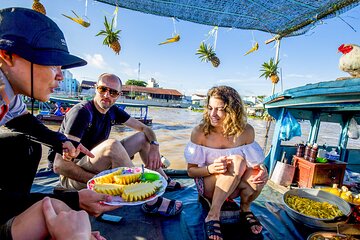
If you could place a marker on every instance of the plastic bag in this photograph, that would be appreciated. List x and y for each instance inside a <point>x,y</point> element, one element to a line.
<point>353,130</point>
<point>289,127</point>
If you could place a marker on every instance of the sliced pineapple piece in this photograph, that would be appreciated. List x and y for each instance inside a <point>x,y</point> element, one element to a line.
<point>138,191</point>
<point>107,178</point>
<point>127,178</point>
<point>109,188</point>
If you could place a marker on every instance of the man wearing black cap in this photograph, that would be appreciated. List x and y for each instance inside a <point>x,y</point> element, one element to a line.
<point>32,53</point>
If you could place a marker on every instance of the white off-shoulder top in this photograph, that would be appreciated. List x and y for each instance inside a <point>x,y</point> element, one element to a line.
<point>203,156</point>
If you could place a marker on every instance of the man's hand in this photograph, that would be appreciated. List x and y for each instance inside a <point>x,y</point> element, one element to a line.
<point>66,225</point>
<point>154,160</point>
<point>70,152</point>
<point>92,202</point>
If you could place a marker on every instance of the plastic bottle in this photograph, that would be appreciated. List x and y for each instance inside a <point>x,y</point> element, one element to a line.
<point>307,151</point>
<point>300,151</point>
<point>313,153</point>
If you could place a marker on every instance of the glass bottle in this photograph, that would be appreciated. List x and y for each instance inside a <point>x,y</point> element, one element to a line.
<point>313,153</point>
<point>300,151</point>
<point>307,151</point>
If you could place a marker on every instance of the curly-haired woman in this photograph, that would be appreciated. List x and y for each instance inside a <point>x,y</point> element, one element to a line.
<point>225,160</point>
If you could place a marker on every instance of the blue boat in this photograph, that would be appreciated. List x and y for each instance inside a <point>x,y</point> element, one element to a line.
<point>332,101</point>
<point>46,113</point>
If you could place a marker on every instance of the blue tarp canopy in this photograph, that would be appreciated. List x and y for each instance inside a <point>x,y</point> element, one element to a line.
<point>280,17</point>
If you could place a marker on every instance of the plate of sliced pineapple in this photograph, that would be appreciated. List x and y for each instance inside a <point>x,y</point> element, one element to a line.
<point>128,186</point>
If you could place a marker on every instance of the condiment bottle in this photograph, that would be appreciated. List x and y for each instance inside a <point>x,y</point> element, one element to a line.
<point>307,151</point>
<point>313,153</point>
<point>300,151</point>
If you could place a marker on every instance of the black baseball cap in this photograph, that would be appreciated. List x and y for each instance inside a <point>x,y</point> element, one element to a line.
<point>36,38</point>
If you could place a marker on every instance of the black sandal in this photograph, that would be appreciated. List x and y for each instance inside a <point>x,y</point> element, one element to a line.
<point>248,219</point>
<point>212,230</point>
<point>171,188</point>
<point>154,209</point>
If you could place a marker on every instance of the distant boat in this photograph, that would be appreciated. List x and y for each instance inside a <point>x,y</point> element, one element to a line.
<point>46,113</point>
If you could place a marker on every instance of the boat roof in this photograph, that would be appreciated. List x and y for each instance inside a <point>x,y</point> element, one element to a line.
<point>328,98</point>
<point>281,17</point>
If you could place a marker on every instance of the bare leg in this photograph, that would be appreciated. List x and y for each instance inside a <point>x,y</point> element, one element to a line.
<point>109,154</point>
<point>31,223</point>
<point>138,143</point>
<point>248,193</point>
<point>221,186</point>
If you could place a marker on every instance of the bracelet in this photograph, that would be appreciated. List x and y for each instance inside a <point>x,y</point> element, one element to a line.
<point>207,169</point>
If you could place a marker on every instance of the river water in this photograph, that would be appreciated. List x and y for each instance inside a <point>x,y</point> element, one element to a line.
<point>173,128</point>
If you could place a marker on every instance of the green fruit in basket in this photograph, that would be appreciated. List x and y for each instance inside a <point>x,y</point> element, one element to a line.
<point>150,177</point>
<point>321,160</point>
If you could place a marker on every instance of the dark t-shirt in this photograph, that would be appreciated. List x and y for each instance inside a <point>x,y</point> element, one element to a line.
<point>87,123</point>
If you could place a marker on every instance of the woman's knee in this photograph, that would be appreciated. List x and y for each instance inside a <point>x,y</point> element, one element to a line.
<point>239,164</point>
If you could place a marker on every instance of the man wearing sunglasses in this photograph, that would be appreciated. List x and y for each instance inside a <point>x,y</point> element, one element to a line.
<point>90,123</point>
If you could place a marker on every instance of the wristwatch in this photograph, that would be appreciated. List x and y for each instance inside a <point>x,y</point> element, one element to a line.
<point>156,143</point>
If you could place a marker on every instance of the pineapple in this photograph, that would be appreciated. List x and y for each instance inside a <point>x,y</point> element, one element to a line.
<point>112,36</point>
<point>270,70</point>
<point>37,6</point>
<point>109,188</point>
<point>207,54</point>
<point>138,191</point>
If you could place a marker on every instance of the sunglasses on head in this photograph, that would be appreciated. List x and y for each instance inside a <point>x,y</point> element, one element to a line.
<point>102,90</point>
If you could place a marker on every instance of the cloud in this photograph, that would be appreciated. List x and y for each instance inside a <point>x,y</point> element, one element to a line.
<point>97,61</point>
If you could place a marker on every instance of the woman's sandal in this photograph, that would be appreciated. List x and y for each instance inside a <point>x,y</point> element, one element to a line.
<point>248,219</point>
<point>154,209</point>
<point>171,188</point>
<point>212,230</point>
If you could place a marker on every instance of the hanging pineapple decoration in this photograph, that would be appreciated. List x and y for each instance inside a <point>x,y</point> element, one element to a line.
<point>37,6</point>
<point>270,70</point>
<point>207,54</point>
<point>78,20</point>
<point>206,51</point>
<point>112,36</point>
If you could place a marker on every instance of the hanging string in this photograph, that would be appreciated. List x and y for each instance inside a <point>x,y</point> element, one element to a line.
<point>253,38</point>
<point>174,25</point>
<point>213,33</point>
<point>86,6</point>
<point>115,14</point>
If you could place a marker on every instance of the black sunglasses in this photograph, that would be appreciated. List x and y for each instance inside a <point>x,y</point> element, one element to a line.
<point>113,93</point>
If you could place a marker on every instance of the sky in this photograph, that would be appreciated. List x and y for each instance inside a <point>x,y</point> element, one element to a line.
<point>309,58</point>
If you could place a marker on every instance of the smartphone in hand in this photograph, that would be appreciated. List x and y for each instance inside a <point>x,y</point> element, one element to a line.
<point>109,218</point>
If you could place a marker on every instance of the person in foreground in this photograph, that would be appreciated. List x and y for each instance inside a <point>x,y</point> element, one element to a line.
<point>32,52</point>
<point>225,160</point>
<point>90,123</point>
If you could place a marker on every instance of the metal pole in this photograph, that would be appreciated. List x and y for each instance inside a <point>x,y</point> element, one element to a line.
<point>268,123</point>
<point>276,60</point>
<point>139,72</point>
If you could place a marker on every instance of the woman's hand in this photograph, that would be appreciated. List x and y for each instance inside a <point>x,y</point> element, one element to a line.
<point>219,166</point>
<point>262,176</point>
